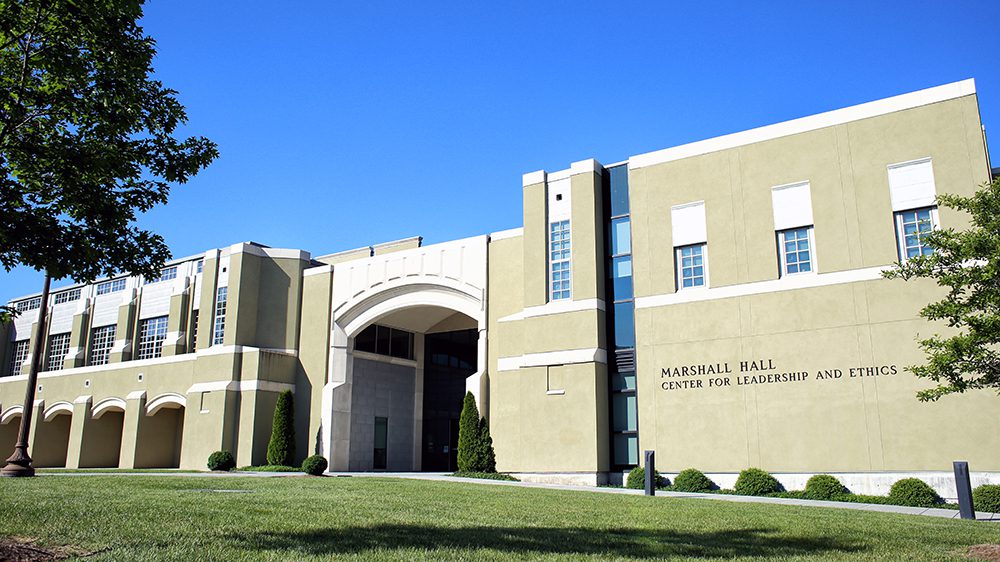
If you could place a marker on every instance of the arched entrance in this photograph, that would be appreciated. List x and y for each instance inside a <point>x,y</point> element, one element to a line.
<point>51,441</point>
<point>101,442</point>
<point>10,424</point>
<point>158,444</point>
<point>408,340</point>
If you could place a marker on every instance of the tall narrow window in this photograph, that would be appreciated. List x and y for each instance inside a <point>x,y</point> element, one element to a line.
<point>152,332</point>
<point>912,228</point>
<point>58,347</point>
<point>691,268</point>
<point>380,457</point>
<point>559,260</point>
<point>101,340</point>
<point>194,332</point>
<point>219,326</point>
<point>796,251</point>
<point>17,357</point>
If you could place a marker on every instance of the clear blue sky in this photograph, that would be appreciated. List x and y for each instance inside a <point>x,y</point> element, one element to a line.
<point>345,124</point>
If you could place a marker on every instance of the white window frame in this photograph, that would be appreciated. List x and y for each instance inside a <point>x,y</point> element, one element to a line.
<point>566,263</point>
<point>782,257</point>
<point>101,341</point>
<point>897,219</point>
<point>166,274</point>
<point>150,345</point>
<point>56,355</point>
<point>219,321</point>
<point>679,266</point>
<point>112,286</point>
<point>67,296</point>
<point>28,304</point>
<point>18,355</point>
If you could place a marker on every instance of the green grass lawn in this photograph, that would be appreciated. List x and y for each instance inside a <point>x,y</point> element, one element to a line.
<point>305,518</point>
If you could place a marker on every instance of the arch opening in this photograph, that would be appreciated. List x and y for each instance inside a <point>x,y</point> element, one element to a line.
<point>10,425</point>
<point>158,443</point>
<point>51,442</point>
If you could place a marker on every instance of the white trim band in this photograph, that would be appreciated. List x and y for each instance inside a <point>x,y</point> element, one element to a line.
<point>555,307</point>
<point>549,358</point>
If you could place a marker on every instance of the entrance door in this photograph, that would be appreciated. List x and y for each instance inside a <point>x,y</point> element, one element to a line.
<point>449,358</point>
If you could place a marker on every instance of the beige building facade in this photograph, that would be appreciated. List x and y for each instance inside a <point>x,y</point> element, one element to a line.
<point>720,303</point>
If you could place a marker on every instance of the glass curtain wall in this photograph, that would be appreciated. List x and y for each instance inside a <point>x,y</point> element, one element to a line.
<point>621,321</point>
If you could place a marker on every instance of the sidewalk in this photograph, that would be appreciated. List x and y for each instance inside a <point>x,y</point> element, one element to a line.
<point>446,477</point>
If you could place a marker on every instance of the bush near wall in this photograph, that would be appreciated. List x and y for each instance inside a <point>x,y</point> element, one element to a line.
<point>281,447</point>
<point>914,492</point>
<point>987,498</point>
<point>637,479</point>
<point>314,465</point>
<point>824,487</point>
<point>756,482</point>
<point>221,460</point>
<point>693,480</point>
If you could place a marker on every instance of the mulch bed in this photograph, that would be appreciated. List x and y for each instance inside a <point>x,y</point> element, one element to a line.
<point>984,552</point>
<point>25,549</point>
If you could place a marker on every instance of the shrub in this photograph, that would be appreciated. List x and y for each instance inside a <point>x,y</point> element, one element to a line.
<point>756,482</point>
<point>486,476</point>
<point>637,479</point>
<point>475,445</point>
<point>281,447</point>
<point>488,457</point>
<point>824,487</point>
<point>692,480</point>
<point>315,465</point>
<point>987,498</point>
<point>221,460</point>
<point>913,492</point>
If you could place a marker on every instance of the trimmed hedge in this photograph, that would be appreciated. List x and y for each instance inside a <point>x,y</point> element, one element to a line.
<point>987,498</point>
<point>221,460</point>
<point>486,476</point>
<point>637,479</point>
<point>693,480</point>
<point>281,447</point>
<point>824,487</point>
<point>756,482</point>
<point>913,492</point>
<point>315,465</point>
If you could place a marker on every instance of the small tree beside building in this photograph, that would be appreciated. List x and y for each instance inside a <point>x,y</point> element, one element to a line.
<point>281,447</point>
<point>475,446</point>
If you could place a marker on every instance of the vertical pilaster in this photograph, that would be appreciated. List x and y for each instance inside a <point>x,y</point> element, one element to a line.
<point>81,417</point>
<point>26,366</point>
<point>587,230</point>
<point>535,240</point>
<point>418,401</point>
<point>337,403</point>
<point>78,335</point>
<point>241,306</point>
<point>135,415</point>
<point>37,417</point>
<point>127,313</point>
<point>206,307</point>
<point>177,321</point>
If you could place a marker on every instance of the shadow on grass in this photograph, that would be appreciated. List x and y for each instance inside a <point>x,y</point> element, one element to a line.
<point>613,543</point>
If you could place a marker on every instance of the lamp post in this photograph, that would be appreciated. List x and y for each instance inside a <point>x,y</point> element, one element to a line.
<point>19,463</point>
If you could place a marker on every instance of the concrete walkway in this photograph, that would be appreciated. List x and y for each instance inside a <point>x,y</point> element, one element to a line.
<point>446,477</point>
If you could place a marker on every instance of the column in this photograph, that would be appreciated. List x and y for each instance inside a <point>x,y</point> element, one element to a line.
<point>79,333</point>
<point>122,349</point>
<point>135,414</point>
<point>175,344</point>
<point>81,417</point>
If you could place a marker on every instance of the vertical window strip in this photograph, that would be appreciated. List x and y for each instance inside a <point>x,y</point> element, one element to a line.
<point>58,348</point>
<point>18,357</point>
<point>101,341</point>
<point>219,326</point>
<point>152,333</point>
<point>559,260</point>
<point>194,331</point>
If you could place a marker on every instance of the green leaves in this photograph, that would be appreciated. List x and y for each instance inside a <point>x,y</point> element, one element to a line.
<point>967,264</point>
<point>86,139</point>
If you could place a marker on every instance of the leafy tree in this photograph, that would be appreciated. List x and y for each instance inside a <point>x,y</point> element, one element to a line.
<point>967,263</point>
<point>87,139</point>
<point>281,447</point>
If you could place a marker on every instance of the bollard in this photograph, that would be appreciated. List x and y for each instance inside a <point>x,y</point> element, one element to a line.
<point>964,487</point>
<point>650,474</point>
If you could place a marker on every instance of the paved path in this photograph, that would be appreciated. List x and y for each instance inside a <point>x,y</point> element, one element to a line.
<point>446,477</point>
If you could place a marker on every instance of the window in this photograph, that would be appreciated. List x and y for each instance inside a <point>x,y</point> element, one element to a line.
<point>112,286</point>
<point>58,348</point>
<point>101,340</point>
<point>198,266</point>
<point>219,327</point>
<point>194,331</point>
<point>152,332</point>
<point>166,274</point>
<point>912,228</point>
<point>68,296</point>
<point>794,248</point>
<point>30,304</point>
<point>559,260</point>
<point>17,357</point>
<point>691,267</point>
<point>381,441</point>
<point>384,340</point>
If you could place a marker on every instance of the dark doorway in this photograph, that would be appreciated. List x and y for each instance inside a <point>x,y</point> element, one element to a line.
<point>449,358</point>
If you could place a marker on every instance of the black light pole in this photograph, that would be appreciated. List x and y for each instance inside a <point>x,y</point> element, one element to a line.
<point>19,463</point>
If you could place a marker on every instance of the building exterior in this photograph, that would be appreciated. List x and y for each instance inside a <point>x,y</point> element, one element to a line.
<point>719,302</point>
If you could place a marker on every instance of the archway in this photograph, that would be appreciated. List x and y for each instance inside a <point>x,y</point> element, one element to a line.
<point>52,436</point>
<point>10,424</point>
<point>158,444</point>
<point>102,437</point>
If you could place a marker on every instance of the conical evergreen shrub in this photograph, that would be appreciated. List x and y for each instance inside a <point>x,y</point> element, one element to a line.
<point>281,447</point>
<point>469,454</point>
